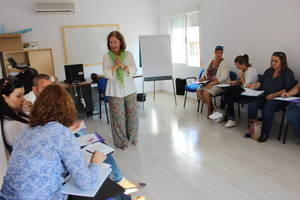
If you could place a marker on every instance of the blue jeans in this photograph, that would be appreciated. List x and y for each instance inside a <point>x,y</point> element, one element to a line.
<point>116,174</point>
<point>293,117</point>
<point>269,107</point>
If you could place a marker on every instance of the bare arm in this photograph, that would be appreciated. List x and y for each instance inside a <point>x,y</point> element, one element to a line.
<point>294,91</point>
<point>254,86</point>
<point>275,94</point>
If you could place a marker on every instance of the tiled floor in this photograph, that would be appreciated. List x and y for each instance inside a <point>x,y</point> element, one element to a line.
<point>183,156</point>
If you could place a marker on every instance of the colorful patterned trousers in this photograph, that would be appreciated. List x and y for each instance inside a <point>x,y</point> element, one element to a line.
<point>124,121</point>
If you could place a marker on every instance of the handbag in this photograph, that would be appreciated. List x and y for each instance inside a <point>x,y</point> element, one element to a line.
<point>254,129</point>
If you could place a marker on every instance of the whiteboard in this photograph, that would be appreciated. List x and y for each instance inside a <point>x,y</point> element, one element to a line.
<point>155,55</point>
<point>86,44</point>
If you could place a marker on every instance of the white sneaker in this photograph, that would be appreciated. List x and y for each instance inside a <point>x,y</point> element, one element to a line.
<point>230,123</point>
<point>216,115</point>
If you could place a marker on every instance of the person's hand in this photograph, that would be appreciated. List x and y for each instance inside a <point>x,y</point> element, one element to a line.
<point>27,106</point>
<point>285,94</point>
<point>250,86</point>
<point>270,97</point>
<point>98,157</point>
<point>232,82</point>
<point>213,78</point>
<point>75,125</point>
<point>118,62</point>
<point>242,74</point>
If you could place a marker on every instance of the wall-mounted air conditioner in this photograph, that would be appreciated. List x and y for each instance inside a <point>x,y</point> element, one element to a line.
<point>54,8</point>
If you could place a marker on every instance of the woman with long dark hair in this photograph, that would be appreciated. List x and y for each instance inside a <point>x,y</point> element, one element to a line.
<point>276,80</point>
<point>12,106</point>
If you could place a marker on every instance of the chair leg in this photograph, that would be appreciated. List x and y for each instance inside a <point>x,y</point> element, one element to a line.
<point>202,103</point>
<point>185,99</point>
<point>100,108</point>
<point>239,109</point>
<point>198,106</point>
<point>285,133</point>
<point>281,125</point>
<point>106,112</point>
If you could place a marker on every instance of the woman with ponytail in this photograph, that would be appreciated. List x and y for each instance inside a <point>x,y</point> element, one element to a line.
<point>119,67</point>
<point>248,75</point>
<point>12,103</point>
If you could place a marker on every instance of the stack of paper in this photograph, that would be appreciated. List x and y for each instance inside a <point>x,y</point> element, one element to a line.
<point>287,98</point>
<point>71,188</point>
<point>252,93</point>
<point>223,85</point>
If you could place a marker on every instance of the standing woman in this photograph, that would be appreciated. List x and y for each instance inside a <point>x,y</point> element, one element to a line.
<point>119,67</point>
<point>217,72</point>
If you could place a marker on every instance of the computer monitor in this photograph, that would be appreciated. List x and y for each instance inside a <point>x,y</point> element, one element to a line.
<point>74,73</point>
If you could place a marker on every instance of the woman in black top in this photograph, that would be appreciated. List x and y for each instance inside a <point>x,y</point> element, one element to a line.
<point>277,79</point>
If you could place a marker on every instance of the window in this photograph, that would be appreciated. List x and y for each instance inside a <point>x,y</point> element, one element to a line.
<point>185,33</point>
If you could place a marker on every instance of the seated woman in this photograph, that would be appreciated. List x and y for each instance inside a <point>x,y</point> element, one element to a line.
<point>217,72</point>
<point>247,75</point>
<point>293,113</point>
<point>14,121</point>
<point>277,79</point>
<point>46,150</point>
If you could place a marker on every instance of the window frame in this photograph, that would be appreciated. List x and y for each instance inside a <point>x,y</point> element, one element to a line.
<point>185,15</point>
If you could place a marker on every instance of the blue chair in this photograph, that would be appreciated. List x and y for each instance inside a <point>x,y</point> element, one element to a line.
<point>102,83</point>
<point>192,87</point>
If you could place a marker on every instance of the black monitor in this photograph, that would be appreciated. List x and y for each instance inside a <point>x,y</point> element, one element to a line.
<point>74,73</point>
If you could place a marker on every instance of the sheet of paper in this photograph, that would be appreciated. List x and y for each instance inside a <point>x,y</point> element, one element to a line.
<point>252,93</point>
<point>71,188</point>
<point>98,146</point>
<point>287,98</point>
<point>86,139</point>
<point>223,85</point>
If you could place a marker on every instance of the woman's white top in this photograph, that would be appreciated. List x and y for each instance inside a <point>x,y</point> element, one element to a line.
<point>12,130</point>
<point>114,87</point>
<point>222,72</point>
<point>251,76</point>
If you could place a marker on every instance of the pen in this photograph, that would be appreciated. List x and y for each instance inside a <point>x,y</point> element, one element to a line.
<point>89,151</point>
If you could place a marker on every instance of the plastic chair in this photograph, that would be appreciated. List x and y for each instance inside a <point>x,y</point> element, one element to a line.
<point>102,83</point>
<point>192,87</point>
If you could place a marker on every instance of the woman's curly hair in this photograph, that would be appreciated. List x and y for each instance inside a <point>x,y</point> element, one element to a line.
<point>53,104</point>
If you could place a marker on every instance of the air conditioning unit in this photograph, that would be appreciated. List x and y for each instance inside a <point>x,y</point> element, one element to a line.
<point>54,8</point>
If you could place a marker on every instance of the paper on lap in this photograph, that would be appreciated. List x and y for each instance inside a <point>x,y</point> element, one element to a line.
<point>287,98</point>
<point>71,188</point>
<point>252,93</point>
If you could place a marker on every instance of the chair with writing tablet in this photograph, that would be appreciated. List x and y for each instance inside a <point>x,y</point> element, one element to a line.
<point>192,87</point>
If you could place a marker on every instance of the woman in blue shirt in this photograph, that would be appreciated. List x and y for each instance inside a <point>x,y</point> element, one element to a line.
<point>46,150</point>
<point>276,80</point>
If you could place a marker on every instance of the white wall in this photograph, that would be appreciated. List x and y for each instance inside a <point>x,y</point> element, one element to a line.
<point>256,27</point>
<point>136,17</point>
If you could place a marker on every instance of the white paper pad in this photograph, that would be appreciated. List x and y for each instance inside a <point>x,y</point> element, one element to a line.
<point>71,188</point>
<point>86,139</point>
<point>287,98</point>
<point>223,85</point>
<point>252,93</point>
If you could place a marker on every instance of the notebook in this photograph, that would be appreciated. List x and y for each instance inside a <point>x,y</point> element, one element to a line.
<point>71,188</point>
